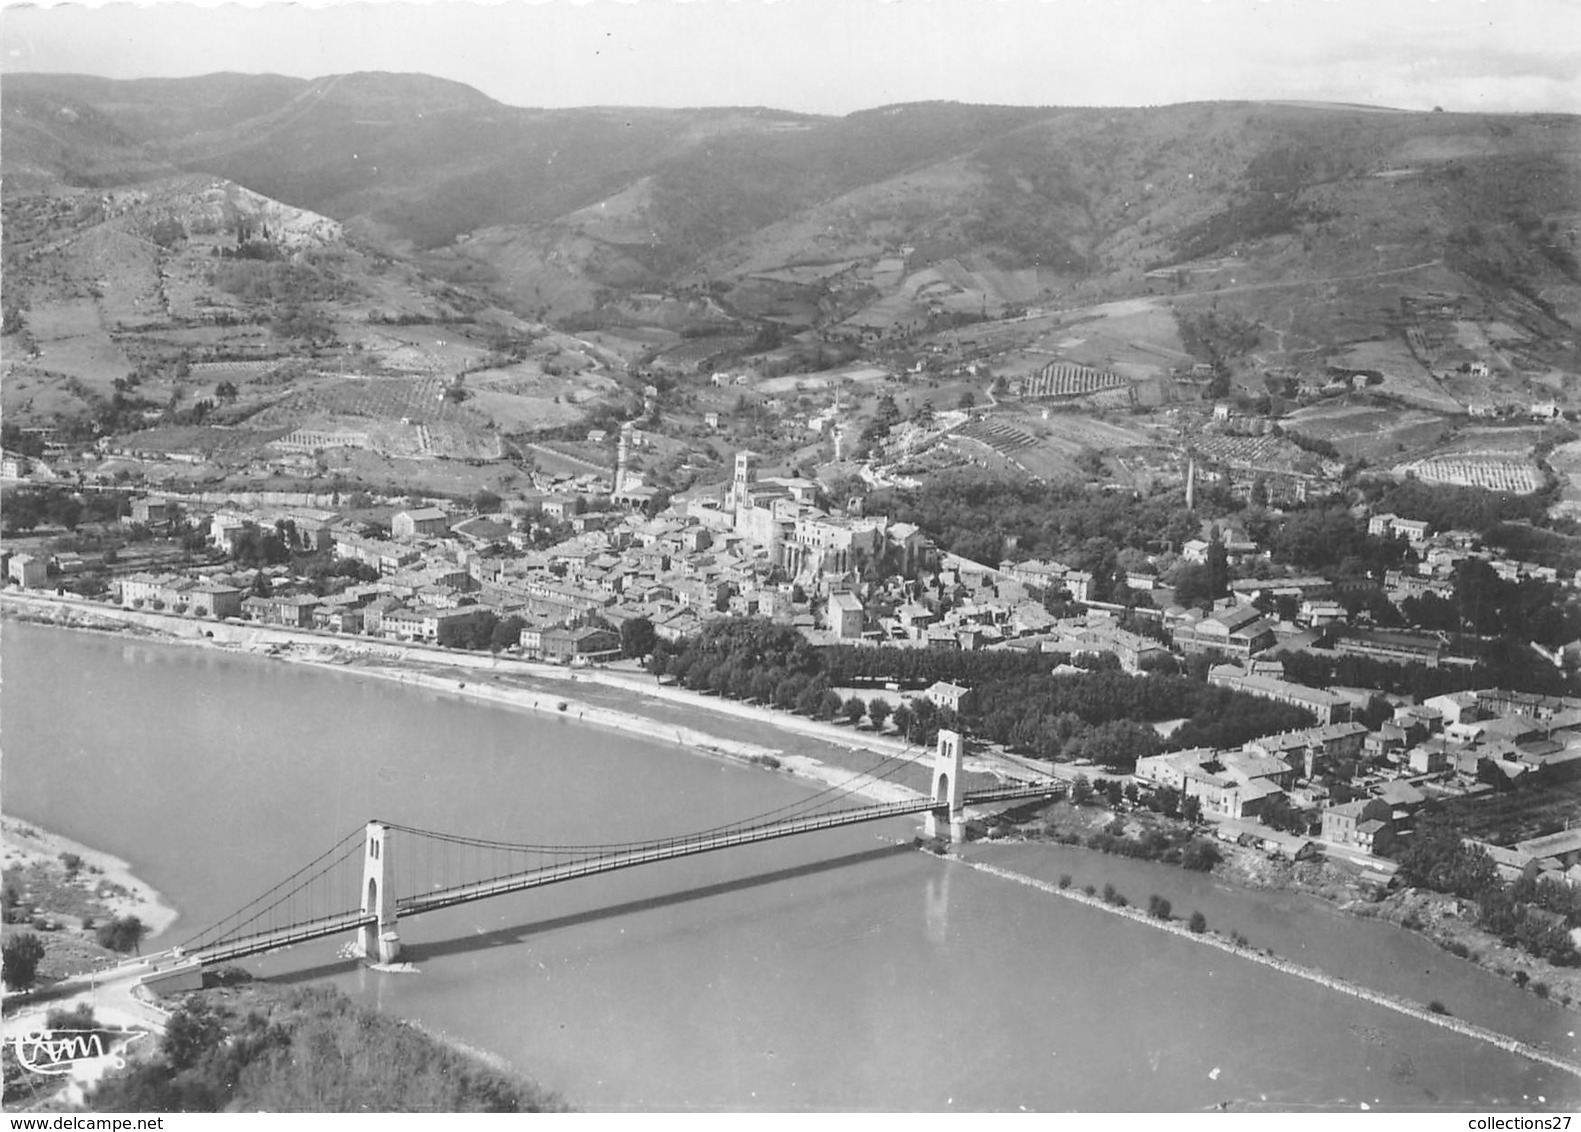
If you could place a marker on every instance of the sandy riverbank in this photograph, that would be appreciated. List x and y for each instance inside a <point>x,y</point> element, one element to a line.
<point>104,879</point>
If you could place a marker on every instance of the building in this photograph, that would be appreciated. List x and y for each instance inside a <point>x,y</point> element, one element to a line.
<point>586,643</point>
<point>421,522</point>
<point>1366,824</point>
<point>1326,706</point>
<point>1310,750</point>
<point>1394,647</point>
<point>846,616</point>
<point>947,696</point>
<point>28,570</point>
<point>1240,631</point>
<point>150,512</point>
<point>214,599</point>
<point>1226,784</point>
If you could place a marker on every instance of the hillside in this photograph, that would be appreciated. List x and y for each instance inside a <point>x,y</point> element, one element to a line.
<point>194,317</point>
<point>252,1047</point>
<point>1277,245</point>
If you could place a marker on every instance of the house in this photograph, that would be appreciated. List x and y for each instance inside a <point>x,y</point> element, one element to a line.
<point>150,512</point>
<point>213,599</point>
<point>28,570</point>
<point>420,522</point>
<point>1365,824</point>
<point>846,616</point>
<point>947,696</point>
<point>586,643</point>
<point>1227,784</point>
<point>1308,751</point>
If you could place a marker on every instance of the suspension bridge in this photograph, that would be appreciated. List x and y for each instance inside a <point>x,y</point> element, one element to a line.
<point>375,876</point>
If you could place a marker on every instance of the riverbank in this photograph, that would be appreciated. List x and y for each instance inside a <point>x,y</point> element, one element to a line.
<point>1175,927</point>
<point>64,889</point>
<point>843,754</point>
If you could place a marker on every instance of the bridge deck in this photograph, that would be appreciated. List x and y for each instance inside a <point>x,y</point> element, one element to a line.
<point>555,874</point>
<point>282,937</point>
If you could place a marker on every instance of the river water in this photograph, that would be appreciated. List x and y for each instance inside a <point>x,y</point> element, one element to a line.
<point>830,971</point>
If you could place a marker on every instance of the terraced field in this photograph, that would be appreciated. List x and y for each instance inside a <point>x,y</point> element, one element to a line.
<point>998,435</point>
<point>1061,379</point>
<point>1496,471</point>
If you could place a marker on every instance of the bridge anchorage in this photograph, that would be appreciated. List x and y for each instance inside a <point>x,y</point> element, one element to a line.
<point>352,886</point>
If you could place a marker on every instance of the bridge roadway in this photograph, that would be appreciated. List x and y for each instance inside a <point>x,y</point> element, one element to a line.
<point>606,863</point>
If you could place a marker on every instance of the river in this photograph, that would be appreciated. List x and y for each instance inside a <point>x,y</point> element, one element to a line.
<point>830,971</point>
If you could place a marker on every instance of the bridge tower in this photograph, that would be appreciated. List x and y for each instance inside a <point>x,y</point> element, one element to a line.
<point>947,791</point>
<point>378,942</point>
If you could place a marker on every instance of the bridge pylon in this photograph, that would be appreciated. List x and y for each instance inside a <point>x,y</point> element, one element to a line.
<point>947,792</point>
<point>378,942</point>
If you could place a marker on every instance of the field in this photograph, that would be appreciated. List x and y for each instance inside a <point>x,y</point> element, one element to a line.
<point>1565,460</point>
<point>1048,447</point>
<point>1403,375</point>
<point>1492,472</point>
<point>1368,432</point>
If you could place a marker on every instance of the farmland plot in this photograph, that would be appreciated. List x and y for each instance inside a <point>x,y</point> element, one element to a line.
<point>72,340</point>
<point>124,272</point>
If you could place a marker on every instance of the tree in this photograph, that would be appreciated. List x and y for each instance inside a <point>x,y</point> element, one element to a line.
<point>1158,907</point>
<point>486,501</point>
<point>1080,790</point>
<point>637,637</point>
<point>855,709</point>
<point>124,933</point>
<point>507,634</point>
<point>877,713</point>
<point>968,399</point>
<point>1198,923</point>
<point>830,704</point>
<point>21,954</point>
<point>903,718</point>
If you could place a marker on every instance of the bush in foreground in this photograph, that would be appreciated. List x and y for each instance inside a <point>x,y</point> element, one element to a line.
<point>307,1049</point>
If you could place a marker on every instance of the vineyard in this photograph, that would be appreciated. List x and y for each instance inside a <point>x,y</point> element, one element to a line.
<point>1493,471</point>
<point>1062,379</point>
<point>997,435</point>
<point>418,399</point>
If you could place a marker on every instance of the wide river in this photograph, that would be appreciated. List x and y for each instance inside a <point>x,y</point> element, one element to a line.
<point>829,971</point>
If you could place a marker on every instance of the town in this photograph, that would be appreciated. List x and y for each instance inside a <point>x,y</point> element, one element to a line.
<point>1374,705</point>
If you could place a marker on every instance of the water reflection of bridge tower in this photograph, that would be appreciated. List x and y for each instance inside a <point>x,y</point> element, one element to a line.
<point>936,906</point>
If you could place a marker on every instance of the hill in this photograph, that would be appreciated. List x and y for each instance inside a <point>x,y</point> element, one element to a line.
<point>1279,245</point>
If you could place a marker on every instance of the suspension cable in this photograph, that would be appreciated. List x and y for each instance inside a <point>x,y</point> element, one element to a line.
<point>837,791</point>
<point>253,904</point>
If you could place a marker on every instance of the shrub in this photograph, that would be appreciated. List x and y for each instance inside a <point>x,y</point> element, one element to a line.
<point>1198,923</point>
<point>1438,1007</point>
<point>1089,890</point>
<point>1158,907</point>
<point>1521,978</point>
<point>1064,880</point>
<point>20,955</point>
<point>1109,893</point>
<point>124,933</point>
<point>1540,989</point>
<point>1200,856</point>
